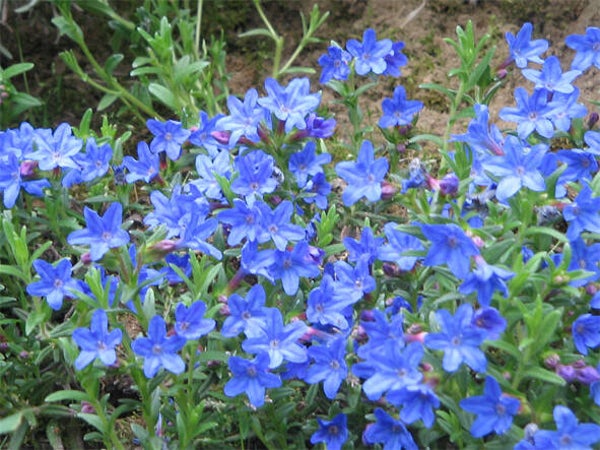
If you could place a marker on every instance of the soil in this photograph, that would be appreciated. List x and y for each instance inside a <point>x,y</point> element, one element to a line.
<point>421,24</point>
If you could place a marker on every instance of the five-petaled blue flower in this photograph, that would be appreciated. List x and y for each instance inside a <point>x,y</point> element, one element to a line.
<point>333,433</point>
<point>495,410</point>
<point>370,54</point>
<point>398,111</point>
<point>169,136</point>
<point>364,176</point>
<point>335,64</point>
<point>190,322</point>
<point>96,341</point>
<point>522,49</point>
<point>252,378</point>
<point>55,282</point>
<point>390,432</point>
<point>458,339</point>
<point>587,47</point>
<point>569,434</point>
<point>102,233</point>
<point>158,350</point>
<point>449,245</point>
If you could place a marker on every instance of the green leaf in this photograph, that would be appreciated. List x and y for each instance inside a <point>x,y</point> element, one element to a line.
<point>164,95</point>
<point>106,101</point>
<point>59,396</point>
<point>68,27</point>
<point>11,423</point>
<point>544,375</point>
<point>15,70</point>
<point>112,61</point>
<point>256,32</point>
<point>93,420</point>
<point>34,319</point>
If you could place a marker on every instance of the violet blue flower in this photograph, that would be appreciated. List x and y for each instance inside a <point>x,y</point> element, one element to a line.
<point>96,341</point>
<point>370,53</point>
<point>587,48</point>
<point>55,282</point>
<point>522,49</point>
<point>398,111</point>
<point>333,433</point>
<point>252,378</point>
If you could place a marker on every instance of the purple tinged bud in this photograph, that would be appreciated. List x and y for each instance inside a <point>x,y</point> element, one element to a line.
<point>28,168</point>
<point>391,269</point>
<point>501,74</point>
<point>593,119</point>
<point>367,315</point>
<point>566,372</point>
<point>87,408</point>
<point>579,364</point>
<point>587,375</point>
<point>552,361</point>
<point>24,354</point>
<point>388,190</point>
<point>401,148</point>
<point>591,289</point>
<point>449,184</point>
<point>86,258</point>
<point>221,136</point>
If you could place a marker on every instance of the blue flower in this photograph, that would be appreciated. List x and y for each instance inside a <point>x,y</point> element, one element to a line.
<point>11,180</point>
<point>190,322</point>
<point>169,136</point>
<point>522,49</point>
<point>245,221</point>
<point>96,341</point>
<point>381,330</point>
<point>449,245</point>
<point>56,149</point>
<point>517,168</point>
<point>458,339</point>
<point>495,410</point>
<point>199,229</point>
<point>335,64</point>
<point>481,136</point>
<point>243,119</point>
<point>365,249</point>
<point>417,401</point>
<point>582,214</point>
<point>580,165</point>
<point>586,332</point>
<point>255,174</point>
<point>490,322</point>
<point>290,265</point>
<point>390,369</point>
<point>485,279</point>
<point>278,226</point>
<point>102,233</point>
<point>399,243</point>
<point>333,433</point>
<point>203,135</point>
<point>316,191</point>
<point>364,176</point>
<point>370,54</point>
<point>390,432</point>
<point>55,282</point>
<point>565,109</point>
<point>146,167</point>
<point>329,365</point>
<point>395,59</point>
<point>307,163</point>
<point>587,47</point>
<point>398,111</point>
<point>551,76</point>
<point>290,104</point>
<point>158,350</point>
<point>323,308</point>
<point>246,314</point>
<point>208,169</point>
<point>278,341</point>
<point>531,113</point>
<point>569,434</point>
<point>252,378</point>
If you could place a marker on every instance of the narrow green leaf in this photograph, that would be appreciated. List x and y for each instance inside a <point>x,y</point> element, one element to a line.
<point>15,69</point>
<point>11,423</point>
<point>544,375</point>
<point>59,396</point>
<point>164,95</point>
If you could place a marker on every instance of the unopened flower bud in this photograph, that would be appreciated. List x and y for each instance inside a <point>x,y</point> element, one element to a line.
<point>24,354</point>
<point>566,372</point>
<point>449,184</point>
<point>87,408</point>
<point>552,361</point>
<point>388,190</point>
<point>501,74</point>
<point>593,119</point>
<point>28,168</point>
<point>391,269</point>
<point>86,258</point>
<point>587,375</point>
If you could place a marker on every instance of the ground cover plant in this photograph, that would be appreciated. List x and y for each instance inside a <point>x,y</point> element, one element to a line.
<point>250,276</point>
